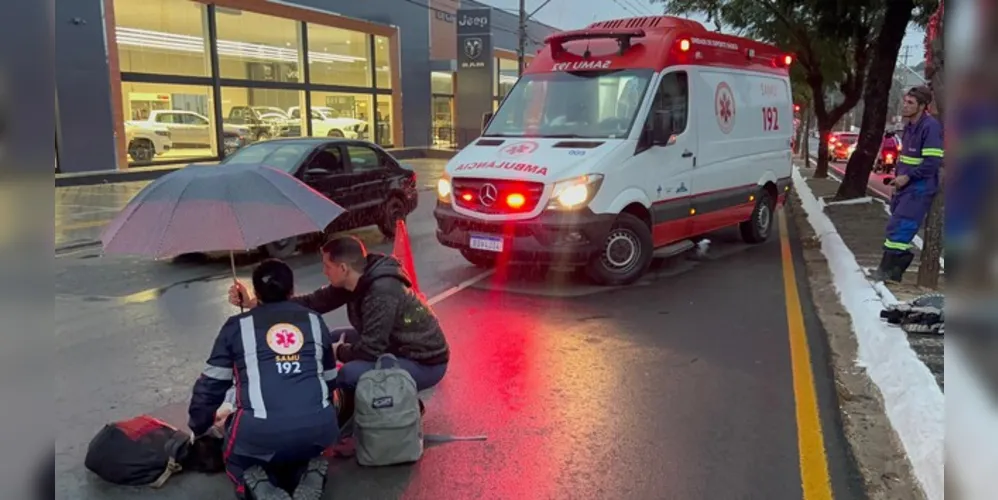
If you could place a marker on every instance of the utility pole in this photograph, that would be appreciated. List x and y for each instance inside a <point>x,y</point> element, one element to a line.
<point>522,34</point>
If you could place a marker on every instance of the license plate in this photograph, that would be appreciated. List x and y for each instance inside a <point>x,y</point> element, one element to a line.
<point>487,243</point>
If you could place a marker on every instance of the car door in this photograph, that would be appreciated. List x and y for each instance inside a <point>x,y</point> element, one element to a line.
<point>370,178</point>
<point>325,170</point>
<point>200,129</point>
<point>174,122</point>
<point>668,165</point>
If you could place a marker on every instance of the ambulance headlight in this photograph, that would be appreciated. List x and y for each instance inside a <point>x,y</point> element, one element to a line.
<point>444,189</point>
<point>575,193</point>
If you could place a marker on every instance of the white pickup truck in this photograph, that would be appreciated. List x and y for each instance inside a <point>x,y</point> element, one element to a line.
<point>193,130</point>
<point>146,140</point>
<point>326,122</point>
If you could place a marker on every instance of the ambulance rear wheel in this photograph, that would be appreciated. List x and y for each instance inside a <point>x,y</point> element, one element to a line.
<point>757,229</point>
<point>480,259</point>
<point>625,255</point>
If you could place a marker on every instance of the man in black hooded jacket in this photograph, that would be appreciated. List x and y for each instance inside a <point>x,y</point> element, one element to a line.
<point>386,315</point>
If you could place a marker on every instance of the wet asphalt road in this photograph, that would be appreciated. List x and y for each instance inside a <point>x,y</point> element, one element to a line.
<point>679,387</point>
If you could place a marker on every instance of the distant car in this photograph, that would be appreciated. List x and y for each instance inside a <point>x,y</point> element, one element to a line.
<point>366,180</point>
<point>841,145</point>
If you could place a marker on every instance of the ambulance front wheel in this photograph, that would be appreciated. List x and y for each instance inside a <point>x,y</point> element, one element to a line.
<point>625,255</point>
<point>757,229</point>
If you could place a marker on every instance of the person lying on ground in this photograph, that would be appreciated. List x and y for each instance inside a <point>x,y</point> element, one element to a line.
<point>386,315</point>
<point>278,355</point>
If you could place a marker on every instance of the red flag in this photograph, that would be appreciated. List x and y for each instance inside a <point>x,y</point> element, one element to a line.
<point>403,252</point>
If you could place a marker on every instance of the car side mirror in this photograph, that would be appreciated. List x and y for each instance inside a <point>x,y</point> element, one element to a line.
<point>486,118</point>
<point>661,128</point>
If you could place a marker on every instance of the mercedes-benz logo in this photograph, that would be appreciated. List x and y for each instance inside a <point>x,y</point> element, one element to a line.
<point>488,194</point>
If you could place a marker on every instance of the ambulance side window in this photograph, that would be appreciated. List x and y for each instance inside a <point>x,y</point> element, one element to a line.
<point>673,98</point>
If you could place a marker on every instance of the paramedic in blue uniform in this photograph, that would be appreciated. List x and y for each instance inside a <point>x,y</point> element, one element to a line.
<point>915,185</point>
<point>278,355</point>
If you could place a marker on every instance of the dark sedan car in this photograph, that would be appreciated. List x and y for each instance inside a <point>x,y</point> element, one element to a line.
<point>358,175</point>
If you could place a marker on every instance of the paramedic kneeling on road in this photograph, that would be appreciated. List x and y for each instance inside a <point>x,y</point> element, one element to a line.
<point>915,185</point>
<point>386,314</point>
<point>278,355</point>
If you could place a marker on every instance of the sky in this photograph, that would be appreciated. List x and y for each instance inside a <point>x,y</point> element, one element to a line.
<point>567,14</point>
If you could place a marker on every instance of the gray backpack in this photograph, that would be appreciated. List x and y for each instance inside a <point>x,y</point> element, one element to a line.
<point>387,425</point>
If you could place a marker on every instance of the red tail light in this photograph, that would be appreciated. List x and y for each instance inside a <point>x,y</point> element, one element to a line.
<point>788,60</point>
<point>515,201</point>
<point>685,45</point>
<point>890,157</point>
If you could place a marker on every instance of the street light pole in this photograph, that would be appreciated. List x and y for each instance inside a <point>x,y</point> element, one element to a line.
<point>522,42</point>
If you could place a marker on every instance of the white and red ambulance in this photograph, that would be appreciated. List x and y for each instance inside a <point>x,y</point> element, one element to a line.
<point>622,141</point>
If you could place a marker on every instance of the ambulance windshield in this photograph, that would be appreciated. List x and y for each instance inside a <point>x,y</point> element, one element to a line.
<point>590,104</point>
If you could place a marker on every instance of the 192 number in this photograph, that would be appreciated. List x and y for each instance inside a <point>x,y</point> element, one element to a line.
<point>770,119</point>
<point>288,367</point>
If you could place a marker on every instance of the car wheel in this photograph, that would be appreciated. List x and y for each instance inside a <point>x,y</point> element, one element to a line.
<point>141,150</point>
<point>626,253</point>
<point>281,249</point>
<point>478,258</point>
<point>335,133</point>
<point>393,211</point>
<point>757,229</point>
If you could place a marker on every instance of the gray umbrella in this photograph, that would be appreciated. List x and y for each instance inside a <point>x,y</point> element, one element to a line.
<point>209,208</point>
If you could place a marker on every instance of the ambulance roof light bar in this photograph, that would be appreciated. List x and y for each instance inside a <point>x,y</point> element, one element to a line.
<point>622,36</point>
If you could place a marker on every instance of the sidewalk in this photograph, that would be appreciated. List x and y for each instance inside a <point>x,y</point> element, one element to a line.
<point>861,227</point>
<point>81,212</point>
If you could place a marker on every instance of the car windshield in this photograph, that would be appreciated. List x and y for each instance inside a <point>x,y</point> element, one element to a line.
<point>282,156</point>
<point>589,104</point>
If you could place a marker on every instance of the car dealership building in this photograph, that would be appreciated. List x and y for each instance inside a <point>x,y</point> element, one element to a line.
<point>150,82</point>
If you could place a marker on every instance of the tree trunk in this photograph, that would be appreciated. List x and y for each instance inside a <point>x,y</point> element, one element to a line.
<point>932,248</point>
<point>805,145</point>
<point>821,169</point>
<point>879,79</point>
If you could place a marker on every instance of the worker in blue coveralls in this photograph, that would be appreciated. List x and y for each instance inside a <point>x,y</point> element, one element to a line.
<point>279,356</point>
<point>915,185</point>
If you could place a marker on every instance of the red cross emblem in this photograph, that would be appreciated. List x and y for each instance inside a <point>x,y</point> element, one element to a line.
<point>725,108</point>
<point>724,102</point>
<point>520,148</point>
<point>285,339</point>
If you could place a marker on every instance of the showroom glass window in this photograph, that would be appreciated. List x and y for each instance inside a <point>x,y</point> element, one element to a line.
<point>257,47</point>
<point>339,57</point>
<point>382,54</point>
<point>164,37</point>
<point>442,86</point>
<point>165,40</point>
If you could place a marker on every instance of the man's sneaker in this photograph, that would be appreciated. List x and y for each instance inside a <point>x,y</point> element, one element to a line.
<point>259,487</point>
<point>313,481</point>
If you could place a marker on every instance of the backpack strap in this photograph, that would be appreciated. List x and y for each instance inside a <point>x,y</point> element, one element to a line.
<point>172,467</point>
<point>378,364</point>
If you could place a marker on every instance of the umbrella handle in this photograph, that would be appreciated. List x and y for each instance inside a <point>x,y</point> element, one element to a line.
<point>232,262</point>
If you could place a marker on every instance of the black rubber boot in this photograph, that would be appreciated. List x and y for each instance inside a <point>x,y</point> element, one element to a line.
<point>259,487</point>
<point>886,263</point>
<point>313,481</point>
<point>900,264</point>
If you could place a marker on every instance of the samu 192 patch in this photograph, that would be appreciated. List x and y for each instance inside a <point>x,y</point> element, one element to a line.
<point>382,403</point>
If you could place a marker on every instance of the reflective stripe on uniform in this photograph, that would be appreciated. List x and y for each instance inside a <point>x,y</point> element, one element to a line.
<point>934,152</point>
<point>247,330</point>
<point>909,160</point>
<point>313,320</point>
<point>896,245</point>
<point>217,372</point>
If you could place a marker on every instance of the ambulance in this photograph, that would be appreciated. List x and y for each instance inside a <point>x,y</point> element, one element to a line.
<point>624,141</point>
